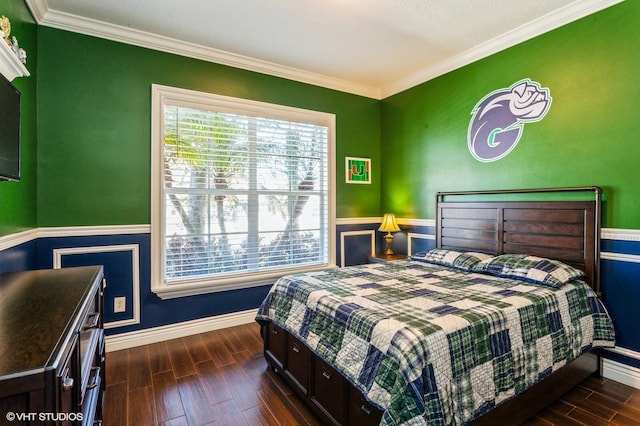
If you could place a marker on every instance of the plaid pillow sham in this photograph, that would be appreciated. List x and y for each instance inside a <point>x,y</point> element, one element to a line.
<point>460,260</point>
<point>532,269</point>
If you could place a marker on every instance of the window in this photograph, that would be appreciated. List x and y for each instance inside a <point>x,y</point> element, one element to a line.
<point>242,192</point>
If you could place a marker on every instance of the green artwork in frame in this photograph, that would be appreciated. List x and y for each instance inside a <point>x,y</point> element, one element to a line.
<point>358,170</point>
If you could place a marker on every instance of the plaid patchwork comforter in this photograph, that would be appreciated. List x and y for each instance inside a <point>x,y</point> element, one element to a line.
<point>433,345</point>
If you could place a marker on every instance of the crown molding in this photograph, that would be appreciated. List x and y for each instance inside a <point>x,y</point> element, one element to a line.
<point>38,9</point>
<point>77,24</point>
<point>572,12</point>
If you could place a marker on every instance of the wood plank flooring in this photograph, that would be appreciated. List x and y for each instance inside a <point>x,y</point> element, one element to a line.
<point>221,378</point>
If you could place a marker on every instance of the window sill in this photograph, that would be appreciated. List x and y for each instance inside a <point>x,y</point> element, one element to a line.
<point>214,285</point>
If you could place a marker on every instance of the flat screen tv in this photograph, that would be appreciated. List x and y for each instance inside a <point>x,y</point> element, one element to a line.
<point>9,131</point>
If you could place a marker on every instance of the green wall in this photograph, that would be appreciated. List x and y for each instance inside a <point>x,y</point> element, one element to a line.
<point>95,126</point>
<point>93,154</point>
<point>18,199</point>
<point>588,137</point>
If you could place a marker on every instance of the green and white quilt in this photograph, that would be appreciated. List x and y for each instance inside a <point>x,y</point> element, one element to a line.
<point>436,345</point>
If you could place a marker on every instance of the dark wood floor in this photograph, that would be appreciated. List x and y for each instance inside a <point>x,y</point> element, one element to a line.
<point>221,378</point>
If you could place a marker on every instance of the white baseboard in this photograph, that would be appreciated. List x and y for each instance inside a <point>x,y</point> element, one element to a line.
<point>174,331</point>
<point>621,373</point>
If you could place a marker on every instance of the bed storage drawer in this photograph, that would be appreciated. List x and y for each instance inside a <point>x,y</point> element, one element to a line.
<point>329,391</point>
<point>360,411</point>
<point>276,345</point>
<point>298,364</point>
<point>334,399</point>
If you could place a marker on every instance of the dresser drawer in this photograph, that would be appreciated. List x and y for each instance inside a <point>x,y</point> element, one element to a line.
<point>68,380</point>
<point>91,405</point>
<point>57,368</point>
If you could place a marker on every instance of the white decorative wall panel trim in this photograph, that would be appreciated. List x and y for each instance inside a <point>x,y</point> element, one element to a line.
<point>135,278</point>
<point>412,235</point>
<point>347,234</point>
<point>625,352</point>
<point>620,257</point>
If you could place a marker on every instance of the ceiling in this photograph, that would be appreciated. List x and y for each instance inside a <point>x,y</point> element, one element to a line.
<point>373,48</point>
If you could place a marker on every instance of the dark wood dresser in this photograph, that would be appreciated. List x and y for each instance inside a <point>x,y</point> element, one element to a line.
<point>52,346</point>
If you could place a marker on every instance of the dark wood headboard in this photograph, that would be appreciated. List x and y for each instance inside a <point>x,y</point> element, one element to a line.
<point>568,231</point>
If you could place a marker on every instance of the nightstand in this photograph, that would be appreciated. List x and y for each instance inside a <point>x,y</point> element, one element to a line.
<point>381,258</point>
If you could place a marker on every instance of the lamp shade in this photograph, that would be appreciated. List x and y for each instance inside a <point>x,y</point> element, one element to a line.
<point>389,223</point>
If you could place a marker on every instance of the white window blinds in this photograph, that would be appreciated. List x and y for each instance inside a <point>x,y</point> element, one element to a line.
<point>245,190</point>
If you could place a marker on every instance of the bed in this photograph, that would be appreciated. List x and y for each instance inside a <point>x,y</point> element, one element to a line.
<point>501,318</point>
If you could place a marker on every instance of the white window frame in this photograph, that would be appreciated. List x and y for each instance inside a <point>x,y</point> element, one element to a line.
<point>163,94</point>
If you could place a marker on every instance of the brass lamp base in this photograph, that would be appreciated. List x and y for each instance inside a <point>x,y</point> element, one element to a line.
<point>388,240</point>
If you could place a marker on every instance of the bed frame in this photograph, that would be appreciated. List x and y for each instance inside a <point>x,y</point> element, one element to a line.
<point>565,230</point>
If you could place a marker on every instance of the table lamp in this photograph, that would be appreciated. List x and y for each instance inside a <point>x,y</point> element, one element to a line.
<point>389,225</point>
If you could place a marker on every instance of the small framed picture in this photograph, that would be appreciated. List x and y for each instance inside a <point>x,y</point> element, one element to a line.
<point>358,170</point>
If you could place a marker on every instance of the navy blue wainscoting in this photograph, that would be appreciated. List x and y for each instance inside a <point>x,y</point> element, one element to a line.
<point>356,240</point>
<point>126,260</point>
<point>119,255</point>
<point>620,285</point>
<point>412,238</point>
<point>21,257</point>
